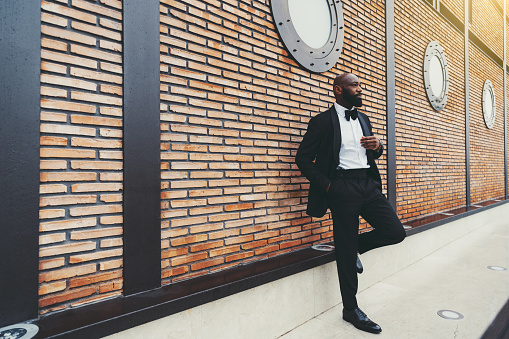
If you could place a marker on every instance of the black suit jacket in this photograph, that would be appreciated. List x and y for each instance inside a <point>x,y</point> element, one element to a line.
<point>318,157</point>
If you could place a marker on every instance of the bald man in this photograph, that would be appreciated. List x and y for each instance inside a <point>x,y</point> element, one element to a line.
<point>337,155</point>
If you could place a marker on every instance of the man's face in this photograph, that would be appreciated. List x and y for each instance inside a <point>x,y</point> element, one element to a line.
<point>352,91</point>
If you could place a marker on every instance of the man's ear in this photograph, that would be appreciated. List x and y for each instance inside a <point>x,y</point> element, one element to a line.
<point>337,90</point>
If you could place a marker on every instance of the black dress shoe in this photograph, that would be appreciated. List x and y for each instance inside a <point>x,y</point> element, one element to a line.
<point>360,269</point>
<point>360,320</point>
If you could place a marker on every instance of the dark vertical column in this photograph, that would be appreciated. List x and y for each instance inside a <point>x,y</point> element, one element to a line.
<point>391,101</point>
<point>142,219</point>
<point>20,53</point>
<point>467,109</point>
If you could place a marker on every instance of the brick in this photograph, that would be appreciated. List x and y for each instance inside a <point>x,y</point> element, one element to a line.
<point>52,287</point>
<point>100,76</point>
<point>92,210</point>
<point>69,12</point>
<point>64,129</point>
<point>79,258</point>
<point>67,273</point>
<point>111,264</point>
<point>68,59</point>
<point>53,19</point>
<point>67,35</point>
<point>66,296</point>
<point>54,44</point>
<point>65,249</point>
<point>51,238</point>
<point>51,67</point>
<point>51,214</point>
<point>51,263</point>
<point>96,30</point>
<point>67,106</point>
<point>187,259</point>
<point>97,165</point>
<point>111,242</point>
<point>53,141</point>
<point>67,200</point>
<point>96,233</point>
<point>174,272</point>
<point>111,286</point>
<point>206,264</point>
<point>239,256</point>
<point>68,176</point>
<point>188,240</point>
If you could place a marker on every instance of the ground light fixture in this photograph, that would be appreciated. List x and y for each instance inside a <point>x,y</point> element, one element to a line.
<point>19,331</point>
<point>450,315</point>
<point>497,268</point>
<point>312,31</point>
<point>321,247</point>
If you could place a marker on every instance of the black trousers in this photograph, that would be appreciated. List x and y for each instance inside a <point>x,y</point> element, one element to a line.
<point>353,193</point>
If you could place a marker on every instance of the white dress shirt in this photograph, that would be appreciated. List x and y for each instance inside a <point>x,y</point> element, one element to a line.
<point>351,154</point>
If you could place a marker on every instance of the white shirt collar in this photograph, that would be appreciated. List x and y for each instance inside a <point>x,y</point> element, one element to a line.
<point>340,110</point>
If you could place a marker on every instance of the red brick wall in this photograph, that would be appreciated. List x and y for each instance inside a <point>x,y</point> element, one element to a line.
<point>457,7</point>
<point>487,25</point>
<point>486,145</point>
<point>234,108</point>
<point>430,152</point>
<point>81,153</point>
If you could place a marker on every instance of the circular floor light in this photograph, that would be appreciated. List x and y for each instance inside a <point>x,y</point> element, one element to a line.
<point>19,331</point>
<point>325,248</point>
<point>488,104</point>
<point>312,31</point>
<point>436,75</point>
<point>497,268</point>
<point>450,315</point>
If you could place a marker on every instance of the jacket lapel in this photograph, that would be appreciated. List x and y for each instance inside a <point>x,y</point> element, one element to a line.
<point>337,134</point>
<point>364,125</point>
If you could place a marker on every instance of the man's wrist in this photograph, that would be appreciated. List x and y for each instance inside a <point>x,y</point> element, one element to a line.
<point>380,144</point>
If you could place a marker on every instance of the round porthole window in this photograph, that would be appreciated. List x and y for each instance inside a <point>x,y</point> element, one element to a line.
<point>312,31</point>
<point>436,77</point>
<point>488,104</point>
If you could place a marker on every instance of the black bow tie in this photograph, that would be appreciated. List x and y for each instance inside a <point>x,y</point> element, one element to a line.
<point>351,113</point>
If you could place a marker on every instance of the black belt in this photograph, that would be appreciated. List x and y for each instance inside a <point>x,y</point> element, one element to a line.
<point>352,173</point>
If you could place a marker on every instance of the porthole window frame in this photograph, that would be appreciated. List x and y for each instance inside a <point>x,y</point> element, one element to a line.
<point>437,100</point>
<point>316,60</point>
<point>489,120</point>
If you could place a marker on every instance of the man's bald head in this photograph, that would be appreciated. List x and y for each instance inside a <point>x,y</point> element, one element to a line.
<point>342,79</point>
<point>347,90</point>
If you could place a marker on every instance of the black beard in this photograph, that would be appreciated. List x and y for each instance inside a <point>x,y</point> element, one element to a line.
<point>352,99</point>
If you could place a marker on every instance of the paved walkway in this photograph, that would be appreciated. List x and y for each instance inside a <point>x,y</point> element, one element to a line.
<point>405,305</point>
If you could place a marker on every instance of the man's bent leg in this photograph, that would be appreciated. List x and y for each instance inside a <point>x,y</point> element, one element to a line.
<point>387,228</point>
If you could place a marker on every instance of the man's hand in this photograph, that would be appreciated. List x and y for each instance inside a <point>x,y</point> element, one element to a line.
<point>371,142</point>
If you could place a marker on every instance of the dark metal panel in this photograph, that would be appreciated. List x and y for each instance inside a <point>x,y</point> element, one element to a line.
<point>391,101</point>
<point>20,52</point>
<point>142,220</point>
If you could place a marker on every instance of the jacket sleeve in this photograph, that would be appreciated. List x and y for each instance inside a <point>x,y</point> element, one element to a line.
<point>307,152</point>
<point>378,154</point>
